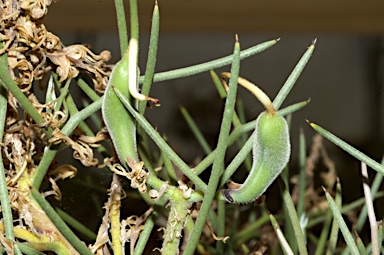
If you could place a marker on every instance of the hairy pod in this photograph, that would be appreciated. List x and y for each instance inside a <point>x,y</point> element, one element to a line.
<point>119,122</point>
<point>271,151</point>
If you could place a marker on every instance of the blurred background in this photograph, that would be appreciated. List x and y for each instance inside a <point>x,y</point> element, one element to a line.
<point>344,78</point>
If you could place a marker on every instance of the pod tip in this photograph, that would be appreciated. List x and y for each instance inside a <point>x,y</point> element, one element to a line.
<point>227,196</point>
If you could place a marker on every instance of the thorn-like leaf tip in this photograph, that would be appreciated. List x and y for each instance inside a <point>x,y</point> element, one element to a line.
<point>325,190</point>
<point>309,100</point>
<point>237,38</point>
<point>278,39</point>
<point>314,42</point>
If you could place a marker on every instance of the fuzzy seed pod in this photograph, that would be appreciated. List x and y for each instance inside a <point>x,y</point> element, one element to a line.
<point>271,152</point>
<point>119,122</point>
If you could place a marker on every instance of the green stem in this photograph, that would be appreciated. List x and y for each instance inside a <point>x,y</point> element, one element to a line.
<point>4,198</point>
<point>301,243</point>
<point>196,131</point>
<point>151,61</point>
<point>235,118</point>
<point>87,89</point>
<point>342,225</point>
<point>218,163</point>
<point>360,246</point>
<point>134,19</point>
<point>221,226</point>
<point>219,86</point>
<point>75,224</point>
<point>60,224</point>
<point>26,249</point>
<point>72,108</point>
<point>200,68</point>
<point>283,242</point>
<point>63,93</point>
<point>333,236</point>
<point>302,174</point>
<point>321,245</point>
<point>240,114</point>
<point>200,185</point>
<point>169,167</point>
<point>179,211</point>
<point>144,236</point>
<point>34,248</point>
<point>286,88</point>
<point>237,160</point>
<point>50,153</point>
<point>42,168</point>
<point>8,82</point>
<point>348,148</point>
<point>251,230</point>
<point>122,26</point>
<point>318,218</point>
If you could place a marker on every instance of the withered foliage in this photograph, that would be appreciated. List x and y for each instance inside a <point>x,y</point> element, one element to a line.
<point>33,50</point>
<point>313,198</point>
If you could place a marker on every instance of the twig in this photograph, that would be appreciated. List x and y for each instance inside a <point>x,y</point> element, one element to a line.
<point>370,210</point>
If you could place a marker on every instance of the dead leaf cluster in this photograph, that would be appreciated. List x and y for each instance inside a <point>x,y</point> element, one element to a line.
<point>33,50</point>
<point>314,200</point>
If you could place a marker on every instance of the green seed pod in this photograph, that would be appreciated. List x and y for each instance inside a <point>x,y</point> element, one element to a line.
<point>271,151</point>
<point>119,122</point>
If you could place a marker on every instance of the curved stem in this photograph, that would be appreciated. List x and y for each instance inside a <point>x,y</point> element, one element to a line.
<point>255,90</point>
<point>132,69</point>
